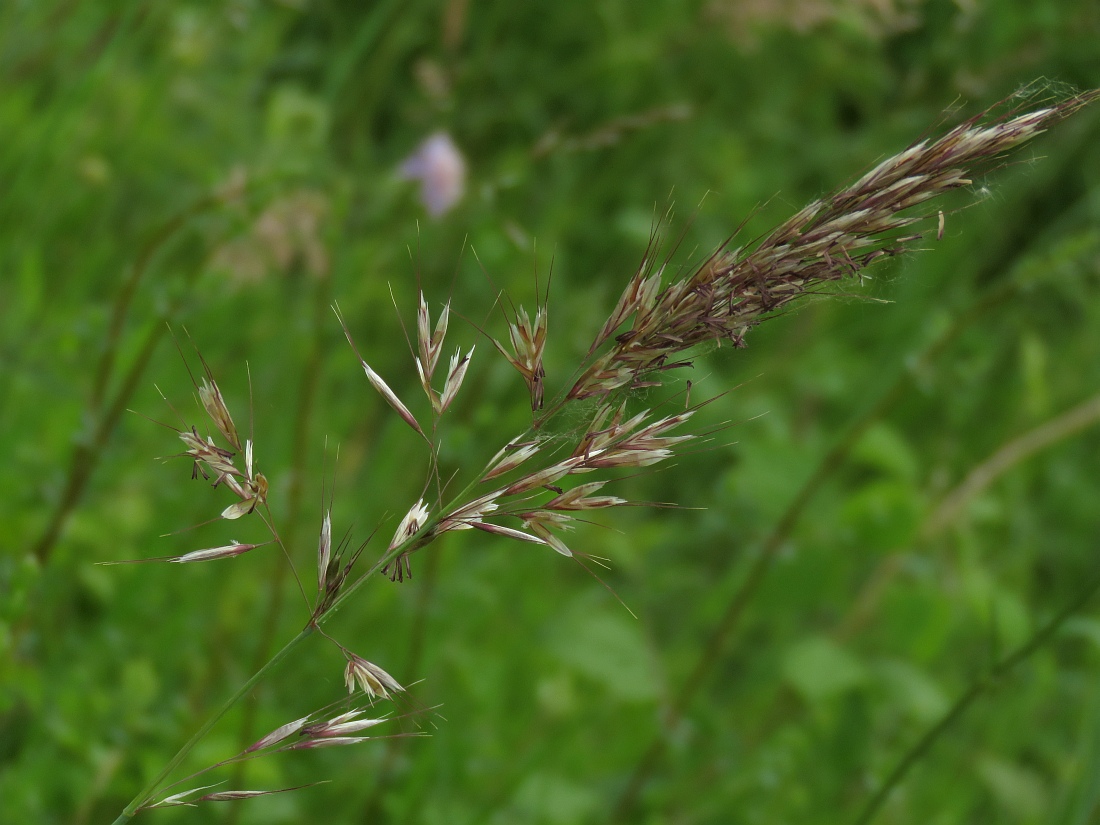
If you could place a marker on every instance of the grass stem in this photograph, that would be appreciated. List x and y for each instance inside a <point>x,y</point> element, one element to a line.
<point>979,688</point>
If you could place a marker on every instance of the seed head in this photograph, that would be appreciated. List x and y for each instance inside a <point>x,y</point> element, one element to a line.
<point>227,551</point>
<point>510,457</point>
<point>455,374</point>
<point>829,240</point>
<point>369,677</point>
<point>214,405</point>
<point>380,386</point>
<point>399,568</point>
<point>528,343</point>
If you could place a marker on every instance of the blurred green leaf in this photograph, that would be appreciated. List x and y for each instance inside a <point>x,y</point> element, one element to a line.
<point>607,648</point>
<point>820,669</point>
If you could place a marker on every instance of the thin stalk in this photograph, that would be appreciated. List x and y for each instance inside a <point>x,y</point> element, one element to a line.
<point>125,296</point>
<point>371,808</point>
<point>307,394</point>
<point>411,544</point>
<point>1071,422</point>
<point>973,693</point>
<point>146,793</point>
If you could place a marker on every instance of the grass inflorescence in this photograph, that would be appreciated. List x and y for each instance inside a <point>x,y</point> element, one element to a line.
<point>537,485</point>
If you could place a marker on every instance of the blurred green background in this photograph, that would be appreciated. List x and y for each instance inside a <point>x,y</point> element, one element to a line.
<point>908,491</point>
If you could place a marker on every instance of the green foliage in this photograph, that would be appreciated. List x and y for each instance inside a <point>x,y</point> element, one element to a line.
<point>229,169</point>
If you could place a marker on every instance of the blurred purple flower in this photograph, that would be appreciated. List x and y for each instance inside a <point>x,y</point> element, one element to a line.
<point>441,170</point>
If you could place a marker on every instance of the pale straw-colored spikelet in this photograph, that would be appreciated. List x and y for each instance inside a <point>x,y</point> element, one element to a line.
<point>429,345</point>
<point>252,489</point>
<point>528,345</point>
<point>189,798</point>
<point>410,524</point>
<point>214,404</point>
<point>399,569</point>
<point>216,462</point>
<point>279,735</point>
<point>207,456</point>
<point>543,477</point>
<point>580,498</point>
<point>507,532</point>
<point>470,514</point>
<point>380,386</point>
<point>369,678</point>
<point>333,568</point>
<point>456,372</point>
<point>226,551</point>
<point>390,397</point>
<point>342,725</point>
<point>539,523</point>
<point>310,728</point>
<point>510,457</point>
<point>324,551</point>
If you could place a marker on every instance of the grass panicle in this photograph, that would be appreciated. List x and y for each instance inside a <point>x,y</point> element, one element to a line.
<point>832,239</point>
<point>541,485</point>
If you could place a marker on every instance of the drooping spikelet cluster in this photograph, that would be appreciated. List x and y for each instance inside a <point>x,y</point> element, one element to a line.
<point>216,463</point>
<point>610,441</point>
<point>249,486</point>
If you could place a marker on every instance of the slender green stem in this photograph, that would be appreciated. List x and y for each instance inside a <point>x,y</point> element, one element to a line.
<point>423,537</point>
<point>371,809</point>
<point>307,394</point>
<point>974,692</point>
<point>125,295</point>
<point>146,793</point>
